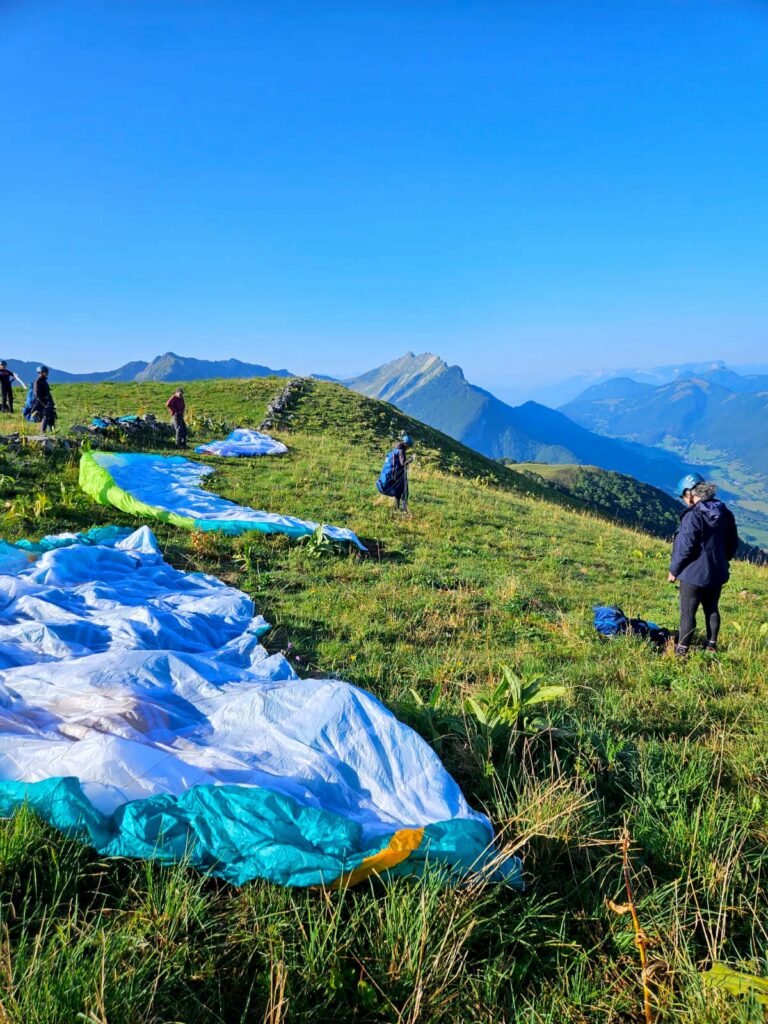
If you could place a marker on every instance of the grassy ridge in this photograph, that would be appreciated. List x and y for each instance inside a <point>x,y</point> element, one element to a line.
<point>619,497</point>
<point>328,411</point>
<point>484,574</point>
<point>626,500</point>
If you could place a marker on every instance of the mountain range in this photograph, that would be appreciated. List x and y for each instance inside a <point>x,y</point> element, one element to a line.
<point>708,411</point>
<point>168,366</point>
<point>719,417</point>
<point>429,389</point>
<point>709,419</point>
<point>559,392</point>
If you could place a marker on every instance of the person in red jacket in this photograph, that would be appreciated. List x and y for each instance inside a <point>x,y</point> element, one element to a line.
<point>176,407</point>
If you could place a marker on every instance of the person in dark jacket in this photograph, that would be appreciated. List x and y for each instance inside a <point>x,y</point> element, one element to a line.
<point>44,406</point>
<point>177,407</point>
<point>704,545</point>
<point>7,377</point>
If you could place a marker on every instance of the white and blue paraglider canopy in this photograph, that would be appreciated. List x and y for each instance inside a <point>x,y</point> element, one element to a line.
<point>243,443</point>
<point>140,712</point>
<point>169,488</point>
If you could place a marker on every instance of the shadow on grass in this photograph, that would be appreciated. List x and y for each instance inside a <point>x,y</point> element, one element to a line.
<point>304,641</point>
<point>379,552</point>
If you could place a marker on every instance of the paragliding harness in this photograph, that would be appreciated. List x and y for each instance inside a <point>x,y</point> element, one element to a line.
<point>35,411</point>
<point>393,479</point>
<point>31,405</point>
<point>610,620</point>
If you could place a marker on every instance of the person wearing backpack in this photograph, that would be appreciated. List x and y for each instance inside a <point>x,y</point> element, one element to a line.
<point>177,407</point>
<point>704,544</point>
<point>43,404</point>
<point>393,479</point>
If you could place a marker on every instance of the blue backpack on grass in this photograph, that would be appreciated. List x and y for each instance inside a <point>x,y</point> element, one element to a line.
<point>610,620</point>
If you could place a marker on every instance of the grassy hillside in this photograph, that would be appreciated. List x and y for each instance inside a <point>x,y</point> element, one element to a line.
<point>614,495</point>
<point>626,500</point>
<point>331,412</point>
<point>486,573</point>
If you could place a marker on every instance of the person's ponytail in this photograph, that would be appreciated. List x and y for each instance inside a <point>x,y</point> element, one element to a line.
<point>704,491</point>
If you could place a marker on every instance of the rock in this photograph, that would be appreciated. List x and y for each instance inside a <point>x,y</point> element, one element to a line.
<point>277,409</point>
<point>42,442</point>
<point>142,426</point>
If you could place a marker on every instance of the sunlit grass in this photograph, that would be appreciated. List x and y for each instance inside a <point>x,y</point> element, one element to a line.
<point>482,575</point>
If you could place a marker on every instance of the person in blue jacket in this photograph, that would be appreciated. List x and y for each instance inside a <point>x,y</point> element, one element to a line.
<point>704,544</point>
<point>393,479</point>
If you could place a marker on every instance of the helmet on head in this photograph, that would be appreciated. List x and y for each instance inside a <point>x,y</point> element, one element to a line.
<point>688,482</point>
<point>406,439</point>
<point>3,362</point>
<point>42,369</point>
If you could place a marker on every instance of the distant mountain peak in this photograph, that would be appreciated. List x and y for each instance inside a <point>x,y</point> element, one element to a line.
<point>415,363</point>
<point>395,381</point>
<point>169,366</point>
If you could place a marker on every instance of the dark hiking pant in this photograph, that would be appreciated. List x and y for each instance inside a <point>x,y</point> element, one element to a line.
<point>49,418</point>
<point>691,598</point>
<point>6,398</point>
<point>181,430</point>
<point>400,490</point>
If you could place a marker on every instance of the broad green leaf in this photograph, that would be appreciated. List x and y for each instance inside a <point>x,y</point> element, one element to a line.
<point>737,983</point>
<point>500,690</point>
<point>477,711</point>
<point>510,676</point>
<point>552,692</point>
<point>530,690</point>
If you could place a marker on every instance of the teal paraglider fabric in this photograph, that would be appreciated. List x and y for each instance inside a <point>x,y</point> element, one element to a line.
<point>21,553</point>
<point>140,712</point>
<point>169,488</point>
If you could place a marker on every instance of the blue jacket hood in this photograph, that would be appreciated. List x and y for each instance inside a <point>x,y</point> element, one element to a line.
<point>711,510</point>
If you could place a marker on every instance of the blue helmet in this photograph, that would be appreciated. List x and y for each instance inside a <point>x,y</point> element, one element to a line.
<point>688,482</point>
<point>42,369</point>
<point>406,439</point>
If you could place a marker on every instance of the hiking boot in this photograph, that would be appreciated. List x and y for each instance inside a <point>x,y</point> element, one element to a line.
<point>710,647</point>
<point>681,651</point>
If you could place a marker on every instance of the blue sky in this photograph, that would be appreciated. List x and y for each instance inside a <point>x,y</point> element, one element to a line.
<point>528,189</point>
